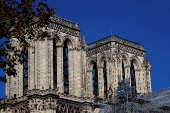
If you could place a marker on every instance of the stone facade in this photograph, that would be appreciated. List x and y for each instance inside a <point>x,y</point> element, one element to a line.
<point>61,73</point>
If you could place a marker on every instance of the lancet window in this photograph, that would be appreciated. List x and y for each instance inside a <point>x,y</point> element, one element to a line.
<point>133,79</point>
<point>55,64</point>
<point>105,80</point>
<point>123,71</point>
<point>25,72</point>
<point>95,80</point>
<point>65,69</point>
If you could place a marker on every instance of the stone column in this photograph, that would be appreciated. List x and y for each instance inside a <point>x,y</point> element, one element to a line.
<point>77,72</point>
<point>100,82</point>
<point>50,63</point>
<point>36,63</point>
<point>72,79</point>
<point>31,66</point>
<point>60,82</point>
<point>7,87</point>
<point>148,76</point>
<point>89,83</point>
<point>137,72</point>
<point>20,80</point>
<point>83,71</point>
<point>127,72</point>
<point>43,66</point>
<point>108,74</point>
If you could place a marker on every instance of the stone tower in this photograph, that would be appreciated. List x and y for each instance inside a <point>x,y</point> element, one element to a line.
<point>61,73</point>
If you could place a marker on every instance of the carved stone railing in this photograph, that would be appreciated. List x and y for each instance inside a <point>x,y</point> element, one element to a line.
<point>60,25</point>
<point>75,98</point>
<point>61,20</point>
<point>116,39</point>
<point>6,101</point>
<point>20,99</point>
<point>64,21</point>
<point>42,92</point>
<point>61,95</point>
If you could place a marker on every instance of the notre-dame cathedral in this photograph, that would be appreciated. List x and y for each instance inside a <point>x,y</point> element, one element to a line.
<point>62,74</point>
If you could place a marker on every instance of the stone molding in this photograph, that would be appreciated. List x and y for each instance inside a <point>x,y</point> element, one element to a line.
<point>127,66</point>
<point>100,66</point>
<point>60,28</point>
<point>89,70</point>
<point>115,38</point>
<point>121,44</point>
<point>97,50</point>
<point>55,92</point>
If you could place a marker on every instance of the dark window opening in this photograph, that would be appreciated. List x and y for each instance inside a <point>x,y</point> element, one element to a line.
<point>133,79</point>
<point>123,71</point>
<point>55,64</point>
<point>105,81</point>
<point>65,69</point>
<point>25,72</point>
<point>15,95</point>
<point>95,80</point>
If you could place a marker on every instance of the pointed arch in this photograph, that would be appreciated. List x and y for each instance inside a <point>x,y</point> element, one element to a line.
<point>58,38</point>
<point>92,66</point>
<point>134,65</point>
<point>90,61</point>
<point>102,58</point>
<point>136,62</point>
<point>70,43</point>
<point>125,59</point>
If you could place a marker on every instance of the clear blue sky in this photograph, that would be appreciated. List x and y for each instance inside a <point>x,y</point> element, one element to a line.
<point>146,22</point>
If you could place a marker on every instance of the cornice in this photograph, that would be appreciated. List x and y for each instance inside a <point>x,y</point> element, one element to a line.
<point>97,50</point>
<point>119,46</point>
<point>114,38</point>
<point>120,43</point>
<point>60,28</point>
<point>64,29</point>
<point>130,49</point>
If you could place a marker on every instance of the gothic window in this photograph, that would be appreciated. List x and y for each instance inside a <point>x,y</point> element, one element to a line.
<point>65,69</point>
<point>55,64</point>
<point>25,72</point>
<point>123,71</point>
<point>133,79</point>
<point>105,80</point>
<point>95,80</point>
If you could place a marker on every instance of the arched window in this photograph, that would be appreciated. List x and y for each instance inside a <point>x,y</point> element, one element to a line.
<point>65,69</point>
<point>123,71</point>
<point>95,80</point>
<point>105,80</point>
<point>133,80</point>
<point>25,72</point>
